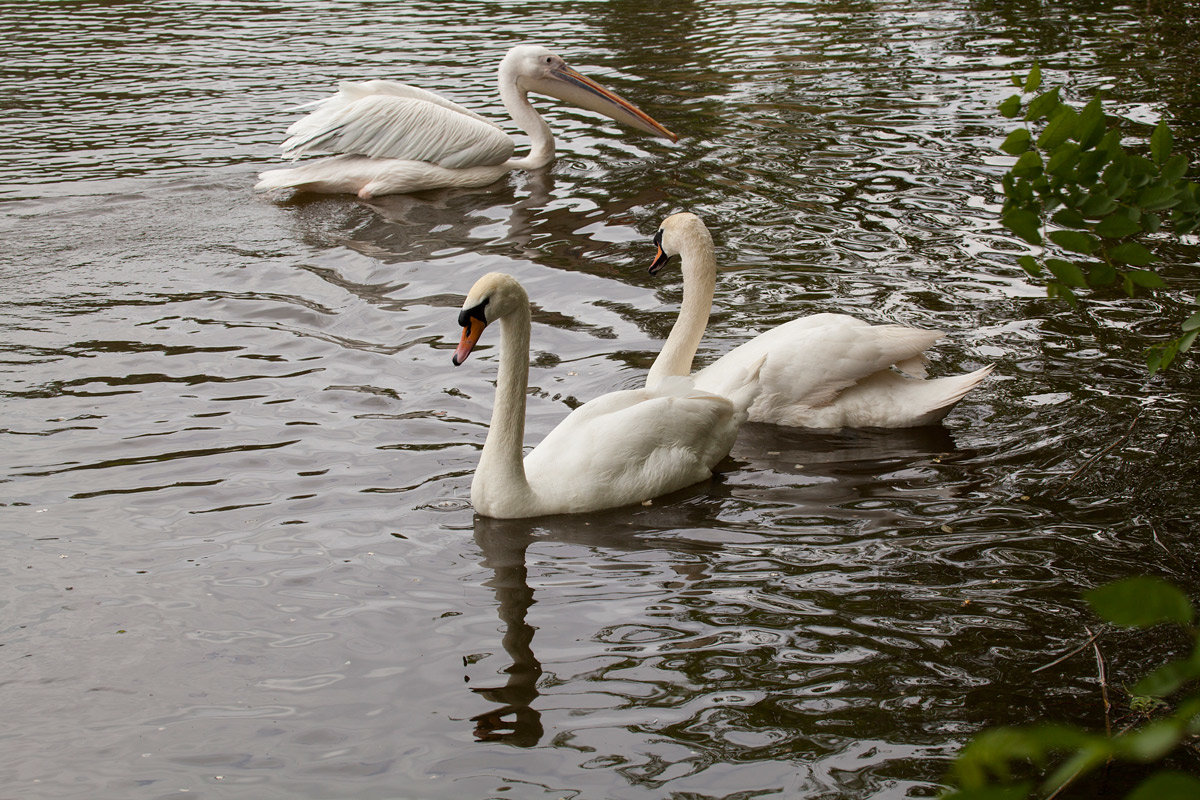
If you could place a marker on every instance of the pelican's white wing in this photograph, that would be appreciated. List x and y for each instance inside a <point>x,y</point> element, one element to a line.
<point>386,119</point>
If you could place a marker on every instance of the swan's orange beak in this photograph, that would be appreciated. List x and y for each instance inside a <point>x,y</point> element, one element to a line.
<point>660,258</point>
<point>470,335</point>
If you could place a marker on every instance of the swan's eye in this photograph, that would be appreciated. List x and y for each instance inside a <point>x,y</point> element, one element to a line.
<point>476,311</point>
<point>658,237</point>
<point>549,59</point>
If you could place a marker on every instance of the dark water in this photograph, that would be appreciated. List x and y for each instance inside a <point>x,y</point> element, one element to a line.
<point>239,557</point>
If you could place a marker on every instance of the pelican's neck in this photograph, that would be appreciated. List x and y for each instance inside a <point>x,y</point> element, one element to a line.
<point>699,267</point>
<point>500,476</point>
<point>516,101</point>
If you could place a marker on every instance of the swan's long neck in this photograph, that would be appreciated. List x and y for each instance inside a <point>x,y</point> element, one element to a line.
<point>500,476</point>
<point>516,101</point>
<point>699,280</point>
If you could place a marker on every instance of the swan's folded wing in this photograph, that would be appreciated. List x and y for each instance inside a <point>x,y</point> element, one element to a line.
<point>633,445</point>
<point>387,125</point>
<point>812,359</point>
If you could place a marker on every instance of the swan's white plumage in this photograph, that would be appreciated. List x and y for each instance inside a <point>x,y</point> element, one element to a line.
<point>820,371</point>
<point>618,449</point>
<point>405,139</point>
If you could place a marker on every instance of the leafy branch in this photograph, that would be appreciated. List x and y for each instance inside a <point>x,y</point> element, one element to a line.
<point>984,768</point>
<point>1094,206</point>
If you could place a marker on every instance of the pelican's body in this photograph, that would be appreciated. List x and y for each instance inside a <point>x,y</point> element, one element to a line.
<point>621,448</point>
<point>394,138</point>
<point>819,371</point>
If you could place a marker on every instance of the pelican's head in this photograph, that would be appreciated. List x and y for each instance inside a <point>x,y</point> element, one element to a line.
<point>492,297</point>
<point>533,68</point>
<point>677,233</point>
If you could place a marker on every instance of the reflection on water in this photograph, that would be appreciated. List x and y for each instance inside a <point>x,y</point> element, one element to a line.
<point>234,487</point>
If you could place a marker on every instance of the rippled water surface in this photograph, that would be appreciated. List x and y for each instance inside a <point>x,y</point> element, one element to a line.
<point>239,556</point>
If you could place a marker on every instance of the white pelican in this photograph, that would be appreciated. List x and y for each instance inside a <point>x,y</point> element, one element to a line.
<point>396,138</point>
<point>621,448</point>
<point>819,371</point>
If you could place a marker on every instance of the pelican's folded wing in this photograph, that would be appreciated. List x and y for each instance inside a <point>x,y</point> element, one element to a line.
<point>415,126</point>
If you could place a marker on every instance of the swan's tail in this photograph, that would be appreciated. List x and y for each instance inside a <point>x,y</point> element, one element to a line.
<point>939,395</point>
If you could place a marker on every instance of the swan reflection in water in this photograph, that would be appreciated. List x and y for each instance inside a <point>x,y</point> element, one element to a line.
<point>841,467</point>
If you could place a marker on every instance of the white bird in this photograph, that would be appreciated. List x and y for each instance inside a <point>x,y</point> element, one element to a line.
<point>819,371</point>
<point>621,448</point>
<point>396,138</point>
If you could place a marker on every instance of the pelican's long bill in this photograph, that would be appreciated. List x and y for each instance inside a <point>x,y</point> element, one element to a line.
<point>579,90</point>
<point>473,322</point>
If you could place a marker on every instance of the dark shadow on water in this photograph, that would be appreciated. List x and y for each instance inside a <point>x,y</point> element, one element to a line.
<point>675,523</point>
<point>514,720</point>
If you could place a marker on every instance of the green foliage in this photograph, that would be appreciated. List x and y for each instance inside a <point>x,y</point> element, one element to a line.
<point>984,769</point>
<point>1098,204</point>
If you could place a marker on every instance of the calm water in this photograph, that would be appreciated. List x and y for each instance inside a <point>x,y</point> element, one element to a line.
<point>239,557</point>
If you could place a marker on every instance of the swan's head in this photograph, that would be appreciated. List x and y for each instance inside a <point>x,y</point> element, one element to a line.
<point>533,68</point>
<point>492,297</point>
<point>678,233</point>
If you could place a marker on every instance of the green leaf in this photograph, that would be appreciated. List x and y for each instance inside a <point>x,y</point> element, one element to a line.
<point>1011,107</point>
<point>1034,80</point>
<point>1166,786</point>
<point>1061,126</point>
<point>1075,241</point>
<point>1157,198</point>
<point>1115,226</point>
<point>1151,742</point>
<point>1017,142</point>
<point>1139,602</point>
<point>1154,359</point>
<point>1175,168</point>
<point>1102,274</point>
<point>1029,165</point>
<point>1185,341</point>
<point>1025,224</point>
<point>1070,218</point>
<point>1160,142</point>
<point>1098,204</point>
<point>1116,184</point>
<point>1131,253</point>
<point>1110,143</point>
<point>1167,678</point>
<point>1170,350</point>
<point>1191,323</point>
<point>1043,105</point>
<point>1067,272</point>
<point>1152,222</point>
<point>1064,157</point>
<point>1030,265</point>
<point>1090,127</point>
<point>1146,279</point>
<point>1090,164</point>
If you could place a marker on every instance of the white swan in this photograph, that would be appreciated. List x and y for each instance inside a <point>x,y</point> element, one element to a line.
<point>621,448</point>
<point>397,138</point>
<point>820,371</point>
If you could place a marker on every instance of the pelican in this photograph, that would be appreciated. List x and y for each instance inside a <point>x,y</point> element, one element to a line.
<point>394,138</point>
<point>817,371</point>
